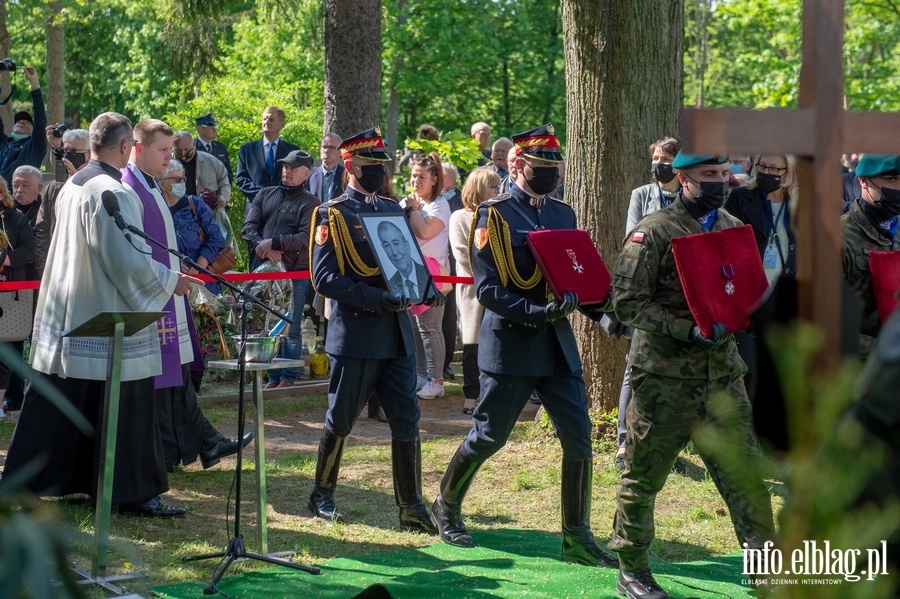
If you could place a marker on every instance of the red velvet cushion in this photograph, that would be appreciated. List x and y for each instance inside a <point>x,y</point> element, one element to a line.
<point>570,262</point>
<point>885,269</point>
<point>700,260</point>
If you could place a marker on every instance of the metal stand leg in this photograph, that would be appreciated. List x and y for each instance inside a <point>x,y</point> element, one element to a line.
<point>236,548</point>
<point>109,432</point>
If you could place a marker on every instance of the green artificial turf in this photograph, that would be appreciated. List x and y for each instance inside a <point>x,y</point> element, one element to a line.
<point>505,563</point>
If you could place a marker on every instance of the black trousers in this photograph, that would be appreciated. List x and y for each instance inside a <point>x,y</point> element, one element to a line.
<point>183,428</point>
<point>448,328</point>
<point>70,459</point>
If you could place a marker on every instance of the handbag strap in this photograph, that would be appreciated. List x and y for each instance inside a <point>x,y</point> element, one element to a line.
<point>197,220</point>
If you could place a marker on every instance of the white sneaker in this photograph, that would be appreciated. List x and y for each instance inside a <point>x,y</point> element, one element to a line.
<point>2,414</point>
<point>431,390</point>
<point>420,382</point>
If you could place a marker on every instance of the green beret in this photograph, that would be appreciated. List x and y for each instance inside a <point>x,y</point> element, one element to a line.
<point>873,165</point>
<point>684,160</point>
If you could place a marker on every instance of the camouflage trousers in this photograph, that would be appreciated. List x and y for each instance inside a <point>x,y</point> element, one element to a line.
<point>665,414</point>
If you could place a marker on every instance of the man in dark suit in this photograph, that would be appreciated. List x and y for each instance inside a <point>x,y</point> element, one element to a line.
<point>370,339</point>
<point>258,164</point>
<point>411,277</point>
<point>526,344</point>
<point>207,132</point>
<point>325,179</point>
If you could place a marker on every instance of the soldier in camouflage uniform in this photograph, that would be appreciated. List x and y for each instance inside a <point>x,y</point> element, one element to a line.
<point>871,226</point>
<point>687,387</point>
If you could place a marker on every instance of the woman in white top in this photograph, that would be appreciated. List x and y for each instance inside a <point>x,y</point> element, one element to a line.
<point>429,218</point>
<point>482,184</point>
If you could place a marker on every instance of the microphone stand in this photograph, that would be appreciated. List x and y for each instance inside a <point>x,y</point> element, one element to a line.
<point>235,549</point>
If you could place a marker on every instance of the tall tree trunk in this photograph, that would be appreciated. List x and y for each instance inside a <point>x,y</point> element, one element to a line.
<point>352,65</point>
<point>393,109</point>
<point>56,60</point>
<point>5,110</point>
<point>623,90</point>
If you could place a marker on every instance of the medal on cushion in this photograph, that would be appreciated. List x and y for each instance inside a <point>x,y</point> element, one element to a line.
<point>575,266</point>
<point>728,273</point>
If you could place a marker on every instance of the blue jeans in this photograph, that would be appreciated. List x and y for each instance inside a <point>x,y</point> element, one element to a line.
<point>292,350</point>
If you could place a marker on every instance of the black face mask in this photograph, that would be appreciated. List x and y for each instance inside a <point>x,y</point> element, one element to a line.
<point>543,179</point>
<point>768,183</point>
<point>662,172</point>
<point>712,194</point>
<point>76,158</point>
<point>889,203</point>
<point>372,177</point>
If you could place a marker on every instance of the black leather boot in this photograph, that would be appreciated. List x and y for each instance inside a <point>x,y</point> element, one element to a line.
<point>446,512</point>
<point>321,502</point>
<point>407,468</point>
<point>579,546</point>
<point>639,584</point>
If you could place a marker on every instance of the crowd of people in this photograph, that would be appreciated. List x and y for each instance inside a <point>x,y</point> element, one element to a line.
<point>390,340</point>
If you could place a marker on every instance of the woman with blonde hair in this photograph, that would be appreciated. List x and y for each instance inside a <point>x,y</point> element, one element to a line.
<point>768,204</point>
<point>429,218</point>
<point>482,185</point>
<point>17,251</point>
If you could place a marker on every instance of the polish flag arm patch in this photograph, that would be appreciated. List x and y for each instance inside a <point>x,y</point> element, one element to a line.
<point>637,237</point>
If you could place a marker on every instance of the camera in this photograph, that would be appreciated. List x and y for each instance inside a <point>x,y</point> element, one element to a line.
<point>59,130</point>
<point>7,64</point>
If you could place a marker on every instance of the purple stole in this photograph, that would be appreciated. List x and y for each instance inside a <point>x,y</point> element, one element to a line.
<point>167,326</point>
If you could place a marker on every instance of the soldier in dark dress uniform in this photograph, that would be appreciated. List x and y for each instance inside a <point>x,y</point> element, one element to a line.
<point>871,226</point>
<point>370,340</point>
<point>526,344</point>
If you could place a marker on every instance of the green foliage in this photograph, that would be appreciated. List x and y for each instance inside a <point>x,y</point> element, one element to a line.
<point>462,61</point>
<point>747,53</point>
<point>455,148</point>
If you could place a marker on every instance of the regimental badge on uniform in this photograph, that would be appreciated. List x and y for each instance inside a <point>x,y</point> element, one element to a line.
<point>481,238</point>
<point>321,234</point>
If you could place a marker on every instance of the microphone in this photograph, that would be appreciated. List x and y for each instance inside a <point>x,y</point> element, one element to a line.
<point>111,204</point>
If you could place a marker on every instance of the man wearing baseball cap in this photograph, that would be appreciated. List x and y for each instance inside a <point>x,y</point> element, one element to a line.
<point>277,229</point>
<point>27,143</point>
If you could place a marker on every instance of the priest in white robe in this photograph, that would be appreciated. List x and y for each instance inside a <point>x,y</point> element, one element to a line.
<point>92,268</point>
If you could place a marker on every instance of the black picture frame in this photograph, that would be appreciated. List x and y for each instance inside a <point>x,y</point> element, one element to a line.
<point>382,236</point>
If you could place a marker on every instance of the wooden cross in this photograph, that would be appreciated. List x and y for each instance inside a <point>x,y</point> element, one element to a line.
<point>817,133</point>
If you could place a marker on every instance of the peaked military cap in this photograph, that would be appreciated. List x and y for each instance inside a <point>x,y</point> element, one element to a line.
<point>369,145</point>
<point>685,160</point>
<point>873,165</point>
<point>297,158</point>
<point>207,120</point>
<point>540,143</point>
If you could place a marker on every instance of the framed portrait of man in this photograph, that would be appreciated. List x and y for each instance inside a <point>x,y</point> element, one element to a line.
<point>398,255</point>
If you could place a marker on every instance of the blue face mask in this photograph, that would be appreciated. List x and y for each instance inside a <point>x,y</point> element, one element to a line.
<point>19,136</point>
<point>448,194</point>
<point>178,190</point>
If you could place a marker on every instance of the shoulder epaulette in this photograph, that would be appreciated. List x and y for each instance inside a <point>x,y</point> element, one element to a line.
<point>337,200</point>
<point>500,198</point>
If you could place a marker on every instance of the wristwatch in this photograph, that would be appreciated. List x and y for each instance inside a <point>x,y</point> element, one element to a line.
<point>409,210</point>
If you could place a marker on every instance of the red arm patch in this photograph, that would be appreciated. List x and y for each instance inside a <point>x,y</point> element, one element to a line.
<point>321,234</point>
<point>481,238</point>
